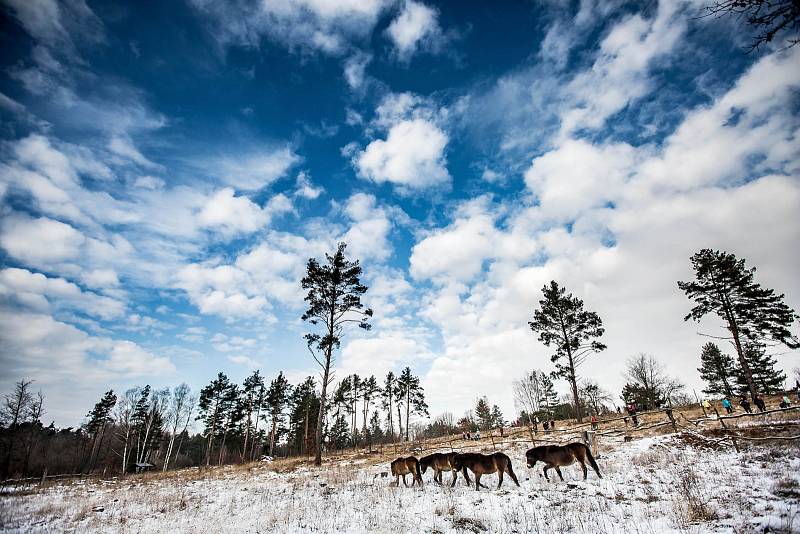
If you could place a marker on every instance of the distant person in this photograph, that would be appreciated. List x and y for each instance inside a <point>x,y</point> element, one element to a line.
<point>477,435</point>
<point>785,402</point>
<point>744,403</point>
<point>594,422</point>
<point>552,424</point>
<point>727,405</point>
<point>760,403</point>
<point>632,413</point>
<point>535,424</point>
<point>546,426</point>
<point>706,406</point>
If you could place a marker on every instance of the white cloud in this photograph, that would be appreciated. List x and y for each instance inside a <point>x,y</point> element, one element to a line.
<point>225,343</point>
<point>621,72</point>
<point>246,361</point>
<point>100,278</point>
<point>69,365</point>
<point>304,188</point>
<point>457,253</point>
<point>579,175</point>
<point>378,355</point>
<point>624,261</point>
<point>328,26</point>
<point>40,292</point>
<point>411,157</point>
<point>41,240</point>
<point>415,28</point>
<point>124,147</point>
<point>367,237</point>
<point>354,70</point>
<point>149,182</point>
<point>254,170</point>
<point>131,359</point>
<point>231,214</point>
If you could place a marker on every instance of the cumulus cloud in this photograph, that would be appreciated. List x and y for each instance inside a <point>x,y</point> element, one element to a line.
<point>411,157</point>
<point>232,214</point>
<point>40,240</point>
<point>305,188</point>
<point>415,28</point>
<point>579,175</point>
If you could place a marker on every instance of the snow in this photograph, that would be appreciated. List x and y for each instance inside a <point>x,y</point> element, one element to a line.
<point>651,485</point>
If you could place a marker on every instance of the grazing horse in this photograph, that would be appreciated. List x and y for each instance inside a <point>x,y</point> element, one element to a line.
<point>485,464</point>
<point>404,466</point>
<point>440,462</point>
<point>555,456</point>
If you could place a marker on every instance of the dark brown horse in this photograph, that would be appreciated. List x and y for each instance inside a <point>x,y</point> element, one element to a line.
<point>440,462</point>
<point>406,466</point>
<point>485,464</point>
<point>555,456</point>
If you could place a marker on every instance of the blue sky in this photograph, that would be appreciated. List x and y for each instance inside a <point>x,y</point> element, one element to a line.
<point>166,169</point>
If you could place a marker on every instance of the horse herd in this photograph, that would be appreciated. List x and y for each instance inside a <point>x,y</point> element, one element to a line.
<point>553,457</point>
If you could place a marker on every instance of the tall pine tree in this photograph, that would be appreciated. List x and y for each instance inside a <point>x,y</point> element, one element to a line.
<point>215,402</point>
<point>334,300</point>
<point>369,391</point>
<point>767,379</point>
<point>304,409</point>
<point>717,369</point>
<point>387,401</point>
<point>277,399</point>
<point>411,396</point>
<point>99,418</point>
<point>562,323</point>
<point>725,287</point>
<point>483,413</point>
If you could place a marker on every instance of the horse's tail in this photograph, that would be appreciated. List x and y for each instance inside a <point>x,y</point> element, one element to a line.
<point>419,471</point>
<point>592,462</point>
<point>510,471</point>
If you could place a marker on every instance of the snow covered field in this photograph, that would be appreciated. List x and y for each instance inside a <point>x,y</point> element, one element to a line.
<point>650,485</point>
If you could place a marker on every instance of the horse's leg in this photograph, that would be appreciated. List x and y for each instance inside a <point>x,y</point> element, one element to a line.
<point>466,476</point>
<point>455,477</point>
<point>477,482</point>
<point>547,478</point>
<point>558,470</point>
<point>500,476</point>
<point>583,467</point>
<point>405,483</point>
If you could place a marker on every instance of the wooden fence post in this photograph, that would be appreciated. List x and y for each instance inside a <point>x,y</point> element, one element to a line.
<point>671,417</point>
<point>721,422</point>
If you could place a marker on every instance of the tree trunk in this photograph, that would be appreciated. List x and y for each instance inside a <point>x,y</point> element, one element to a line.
<point>408,410</point>
<point>272,436</point>
<point>255,429</point>
<point>399,423</point>
<point>211,434</point>
<point>734,329</point>
<point>574,382</point>
<point>322,399</point>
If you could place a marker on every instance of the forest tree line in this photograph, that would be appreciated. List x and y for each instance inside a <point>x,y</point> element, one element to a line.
<point>145,427</point>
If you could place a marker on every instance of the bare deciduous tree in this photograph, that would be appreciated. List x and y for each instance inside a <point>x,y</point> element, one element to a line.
<point>648,383</point>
